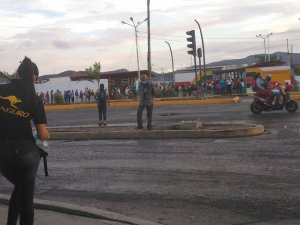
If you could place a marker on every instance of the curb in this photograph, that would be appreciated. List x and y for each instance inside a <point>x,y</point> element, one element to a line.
<point>212,130</point>
<point>83,211</point>
<point>160,102</point>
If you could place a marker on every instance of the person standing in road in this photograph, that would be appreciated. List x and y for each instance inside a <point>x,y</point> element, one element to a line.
<point>147,93</point>
<point>19,156</point>
<point>102,105</point>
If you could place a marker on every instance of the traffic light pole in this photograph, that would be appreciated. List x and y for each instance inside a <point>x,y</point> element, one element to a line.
<point>195,65</point>
<point>199,51</point>
<point>204,63</point>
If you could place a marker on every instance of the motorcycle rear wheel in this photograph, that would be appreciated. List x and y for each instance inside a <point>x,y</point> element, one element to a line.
<point>255,109</point>
<point>291,106</point>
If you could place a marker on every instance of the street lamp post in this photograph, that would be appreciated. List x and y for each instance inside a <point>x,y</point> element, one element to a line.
<point>269,46</point>
<point>173,73</point>
<point>135,25</point>
<point>264,37</point>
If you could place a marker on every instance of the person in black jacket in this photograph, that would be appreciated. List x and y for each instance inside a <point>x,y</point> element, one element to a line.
<point>19,156</point>
<point>147,93</point>
<point>102,106</point>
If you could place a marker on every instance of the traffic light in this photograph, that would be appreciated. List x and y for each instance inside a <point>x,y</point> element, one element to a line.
<point>192,45</point>
<point>199,52</point>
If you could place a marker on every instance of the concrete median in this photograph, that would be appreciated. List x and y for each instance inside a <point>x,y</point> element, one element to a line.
<point>208,130</point>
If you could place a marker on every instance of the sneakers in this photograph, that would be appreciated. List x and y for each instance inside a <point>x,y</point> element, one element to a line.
<point>149,127</point>
<point>102,124</point>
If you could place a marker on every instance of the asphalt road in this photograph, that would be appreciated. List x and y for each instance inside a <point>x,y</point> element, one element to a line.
<point>208,181</point>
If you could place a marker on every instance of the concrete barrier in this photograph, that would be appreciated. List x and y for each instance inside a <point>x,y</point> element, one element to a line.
<point>127,132</point>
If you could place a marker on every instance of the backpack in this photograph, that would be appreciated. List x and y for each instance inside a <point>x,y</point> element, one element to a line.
<point>102,96</point>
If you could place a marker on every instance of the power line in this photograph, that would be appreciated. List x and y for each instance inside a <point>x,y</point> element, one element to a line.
<point>276,36</point>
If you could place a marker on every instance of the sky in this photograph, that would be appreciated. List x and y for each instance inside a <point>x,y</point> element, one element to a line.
<point>73,35</point>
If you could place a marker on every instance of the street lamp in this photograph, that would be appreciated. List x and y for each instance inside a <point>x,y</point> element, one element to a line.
<point>269,46</point>
<point>173,73</point>
<point>135,25</point>
<point>264,37</point>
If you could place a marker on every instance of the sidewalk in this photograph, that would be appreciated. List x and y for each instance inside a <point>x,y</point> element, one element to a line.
<point>46,217</point>
<point>57,213</point>
<point>157,102</point>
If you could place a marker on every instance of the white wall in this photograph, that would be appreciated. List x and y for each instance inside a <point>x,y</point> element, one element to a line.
<point>184,77</point>
<point>64,83</point>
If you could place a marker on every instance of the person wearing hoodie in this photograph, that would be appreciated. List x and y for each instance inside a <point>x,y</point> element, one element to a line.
<point>102,105</point>
<point>19,155</point>
<point>147,93</point>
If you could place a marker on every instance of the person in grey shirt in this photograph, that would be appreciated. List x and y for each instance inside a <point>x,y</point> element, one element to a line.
<point>147,93</point>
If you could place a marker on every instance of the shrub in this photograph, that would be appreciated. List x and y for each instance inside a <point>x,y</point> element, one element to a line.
<point>170,92</point>
<point>58,98</point>
<point>158,93</point>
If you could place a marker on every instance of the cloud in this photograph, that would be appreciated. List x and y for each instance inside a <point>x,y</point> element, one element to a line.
<point>74,34</point>
<point>61,44</point>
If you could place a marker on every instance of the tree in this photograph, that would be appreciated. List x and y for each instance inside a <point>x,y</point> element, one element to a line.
<point>94,72</point>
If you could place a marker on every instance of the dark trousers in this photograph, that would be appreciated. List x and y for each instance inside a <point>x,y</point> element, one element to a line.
<point>102,107</point>
<point>19,161</point>
<point>140,114</point>
<point>228,89</point>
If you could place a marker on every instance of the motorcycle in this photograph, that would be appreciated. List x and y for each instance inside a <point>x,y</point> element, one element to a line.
<point>259,102</point>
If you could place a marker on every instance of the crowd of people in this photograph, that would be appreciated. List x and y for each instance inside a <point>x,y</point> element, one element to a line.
<point>82,96</point>
<point>68,96</point>
<point>226,86</point>
<point>214,87</point>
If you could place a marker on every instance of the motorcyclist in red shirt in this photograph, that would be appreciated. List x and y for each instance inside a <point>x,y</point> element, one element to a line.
<point>272,92</point>
<point>261,88</point>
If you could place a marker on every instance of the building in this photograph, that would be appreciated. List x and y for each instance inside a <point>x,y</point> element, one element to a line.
<point>3,79</point>
<point>72,80</point>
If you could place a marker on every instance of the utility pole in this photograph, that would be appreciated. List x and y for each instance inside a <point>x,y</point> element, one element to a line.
<point>288,52</point>
<point>291,55</point>
<point>149,42</point>
<point>264,37</point>
<point>269,46</point>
